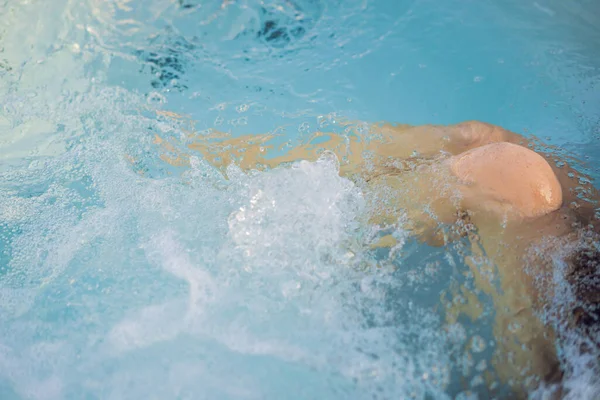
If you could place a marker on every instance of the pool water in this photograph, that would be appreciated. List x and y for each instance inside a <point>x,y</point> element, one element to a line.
<point>123,276</point>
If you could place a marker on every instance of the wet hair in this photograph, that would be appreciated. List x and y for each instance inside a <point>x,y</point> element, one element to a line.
<point>583,276</point>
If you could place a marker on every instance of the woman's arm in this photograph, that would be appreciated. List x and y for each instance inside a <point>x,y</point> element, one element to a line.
<point>380,145</point>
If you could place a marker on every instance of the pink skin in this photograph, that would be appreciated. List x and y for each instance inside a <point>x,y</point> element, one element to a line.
<point>507,178</point>
<point>514,196</point>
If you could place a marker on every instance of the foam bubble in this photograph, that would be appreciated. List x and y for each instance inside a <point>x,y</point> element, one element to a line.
<point>123,277</point>
<point>142,274</point>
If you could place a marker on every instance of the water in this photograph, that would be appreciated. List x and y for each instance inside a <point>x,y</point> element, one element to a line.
<point>122,276</point>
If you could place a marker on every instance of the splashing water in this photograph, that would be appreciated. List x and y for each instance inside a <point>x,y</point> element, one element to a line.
<point>196,278</point>
<point>124,277</point>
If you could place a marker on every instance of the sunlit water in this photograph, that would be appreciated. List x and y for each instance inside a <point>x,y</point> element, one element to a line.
<point>123,280</point>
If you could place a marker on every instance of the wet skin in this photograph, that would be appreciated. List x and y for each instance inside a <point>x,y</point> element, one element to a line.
<point>514,197</point>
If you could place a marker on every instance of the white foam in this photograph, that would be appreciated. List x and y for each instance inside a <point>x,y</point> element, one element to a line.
<point>296,216</point>
<point>127,285</point>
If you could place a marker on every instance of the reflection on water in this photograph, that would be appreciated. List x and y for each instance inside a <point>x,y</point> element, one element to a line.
<point>124,276</point>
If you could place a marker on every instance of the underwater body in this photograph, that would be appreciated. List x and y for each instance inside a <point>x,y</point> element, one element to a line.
<point>129,271</point>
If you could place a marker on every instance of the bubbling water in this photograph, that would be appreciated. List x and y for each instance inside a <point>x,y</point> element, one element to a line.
<point>124,277</point>
<point>117,277</point>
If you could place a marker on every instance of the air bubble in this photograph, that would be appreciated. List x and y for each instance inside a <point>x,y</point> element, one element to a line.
<point>156,98</point>
<point>304,127</point>
<point>477,344</point>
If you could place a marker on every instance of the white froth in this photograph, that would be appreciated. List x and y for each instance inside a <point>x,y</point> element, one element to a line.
<point>298,217</point>
<point>131,279</point>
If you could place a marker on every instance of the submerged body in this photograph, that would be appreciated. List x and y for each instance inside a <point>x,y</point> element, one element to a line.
<point>478,175</point>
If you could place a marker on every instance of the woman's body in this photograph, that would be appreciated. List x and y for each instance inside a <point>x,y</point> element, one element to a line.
<point>434,176</point>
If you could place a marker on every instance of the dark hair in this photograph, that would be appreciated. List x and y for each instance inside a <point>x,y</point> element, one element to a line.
<point>583,275</point>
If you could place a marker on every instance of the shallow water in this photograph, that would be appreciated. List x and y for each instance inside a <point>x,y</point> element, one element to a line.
<point>122,276</point>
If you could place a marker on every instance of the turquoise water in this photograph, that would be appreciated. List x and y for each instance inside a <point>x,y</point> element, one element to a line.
<point>121,281</point>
